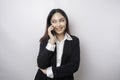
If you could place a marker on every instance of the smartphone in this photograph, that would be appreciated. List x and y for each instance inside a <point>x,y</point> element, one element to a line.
<point>53,32</point>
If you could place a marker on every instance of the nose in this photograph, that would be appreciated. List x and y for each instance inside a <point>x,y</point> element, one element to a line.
<point>58,24</point>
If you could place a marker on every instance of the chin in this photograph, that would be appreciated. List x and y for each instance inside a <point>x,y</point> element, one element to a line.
<point>60,32</point>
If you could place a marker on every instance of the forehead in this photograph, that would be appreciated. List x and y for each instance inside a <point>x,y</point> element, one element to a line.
<point>57,15</point>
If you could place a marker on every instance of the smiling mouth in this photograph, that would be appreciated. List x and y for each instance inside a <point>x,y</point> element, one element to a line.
<point>59,29</point>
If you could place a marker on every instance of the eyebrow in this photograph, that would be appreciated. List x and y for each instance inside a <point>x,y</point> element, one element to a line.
<point>59,19</point>
<point>62,18</point>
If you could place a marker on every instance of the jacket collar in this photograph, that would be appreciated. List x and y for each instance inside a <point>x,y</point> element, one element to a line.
<point>67,37</point>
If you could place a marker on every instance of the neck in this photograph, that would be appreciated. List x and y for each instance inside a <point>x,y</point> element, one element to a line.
<point>60,37</point>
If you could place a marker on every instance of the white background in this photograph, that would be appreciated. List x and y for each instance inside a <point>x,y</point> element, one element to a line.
<point>95,22</point>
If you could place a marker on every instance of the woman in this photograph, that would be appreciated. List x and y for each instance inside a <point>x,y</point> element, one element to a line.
<point>59,54</point>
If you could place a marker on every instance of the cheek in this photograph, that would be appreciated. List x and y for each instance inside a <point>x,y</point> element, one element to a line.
<point>53,24</point>
<point>64,24</point>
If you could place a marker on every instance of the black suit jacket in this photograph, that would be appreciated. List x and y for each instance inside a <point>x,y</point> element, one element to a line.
<point>69,64</point>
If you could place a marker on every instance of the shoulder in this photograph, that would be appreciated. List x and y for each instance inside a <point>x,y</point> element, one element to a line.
<point>75,38</point>
<point>44,43</point>
<point>75,41</point>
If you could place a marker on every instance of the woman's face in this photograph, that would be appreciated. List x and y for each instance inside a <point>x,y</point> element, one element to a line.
<point>59,23</point>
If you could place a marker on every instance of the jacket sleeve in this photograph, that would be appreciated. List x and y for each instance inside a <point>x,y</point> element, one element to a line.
<point>72,66</point>
<point>44,56</point>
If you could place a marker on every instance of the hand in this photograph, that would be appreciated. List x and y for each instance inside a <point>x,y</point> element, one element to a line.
<point>44,71</point>
<point>52,37</point>
<point>50,28</point>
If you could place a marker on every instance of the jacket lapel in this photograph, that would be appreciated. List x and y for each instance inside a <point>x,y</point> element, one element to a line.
<point>66,53</point>
<point>66,50</point>
<point>53,61</point>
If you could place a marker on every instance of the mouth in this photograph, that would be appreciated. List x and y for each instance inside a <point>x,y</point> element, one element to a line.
<point>59,28</point>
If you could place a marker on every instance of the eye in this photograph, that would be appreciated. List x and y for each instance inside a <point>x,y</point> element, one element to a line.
<point>53,21</point>
<point>62,20</point>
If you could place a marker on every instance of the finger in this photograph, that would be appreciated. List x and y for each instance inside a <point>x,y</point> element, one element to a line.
<point>51,27</point>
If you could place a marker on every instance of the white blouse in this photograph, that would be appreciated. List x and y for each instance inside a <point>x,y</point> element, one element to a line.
<point>59,47</point>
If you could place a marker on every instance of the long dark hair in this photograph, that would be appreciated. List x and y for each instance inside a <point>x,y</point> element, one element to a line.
<point>48,23</point>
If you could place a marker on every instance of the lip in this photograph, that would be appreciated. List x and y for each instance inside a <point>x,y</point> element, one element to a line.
<point>59,29</point>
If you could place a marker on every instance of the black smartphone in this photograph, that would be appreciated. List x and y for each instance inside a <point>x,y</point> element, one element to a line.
<point>53,32</point>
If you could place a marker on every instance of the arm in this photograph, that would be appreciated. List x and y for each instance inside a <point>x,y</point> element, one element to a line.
<point>44,56</point>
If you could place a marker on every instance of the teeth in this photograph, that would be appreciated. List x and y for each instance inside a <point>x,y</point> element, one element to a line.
<point>59,28</point>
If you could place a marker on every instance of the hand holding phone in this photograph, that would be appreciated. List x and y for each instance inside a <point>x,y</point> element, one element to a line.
<point>51,30</point>
<point>51,34</point>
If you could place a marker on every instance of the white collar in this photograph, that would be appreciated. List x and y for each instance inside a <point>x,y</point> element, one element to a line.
<point>67,37</point>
